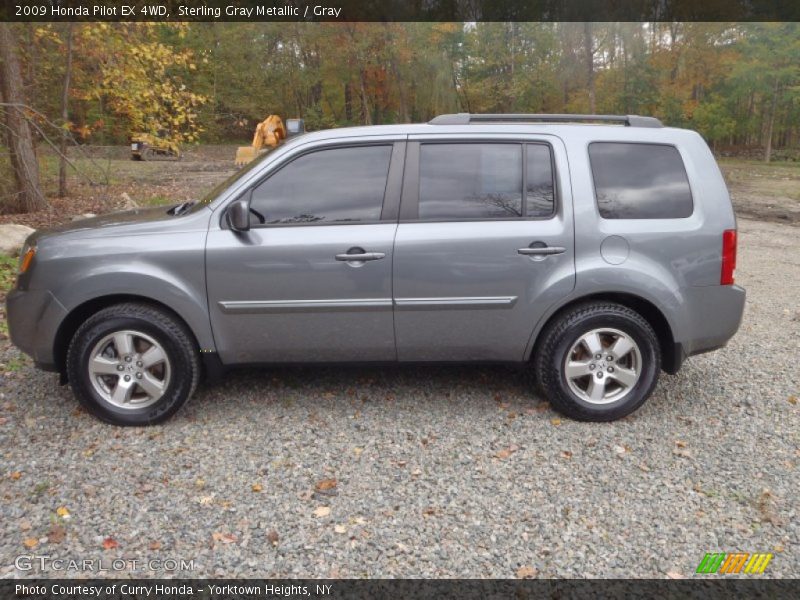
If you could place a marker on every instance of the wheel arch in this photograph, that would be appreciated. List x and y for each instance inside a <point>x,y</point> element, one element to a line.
<point>671,353</point>
<point>78,315</point>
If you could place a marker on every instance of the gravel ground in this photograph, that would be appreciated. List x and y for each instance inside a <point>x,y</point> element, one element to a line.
<point>439,472</point>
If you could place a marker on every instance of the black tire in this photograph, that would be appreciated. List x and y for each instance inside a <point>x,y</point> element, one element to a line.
<point>565,330</point>
<point>172,335</point>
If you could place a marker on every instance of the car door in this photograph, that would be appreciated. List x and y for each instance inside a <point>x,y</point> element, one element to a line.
<point>477,262</point>
<point>311,279</point>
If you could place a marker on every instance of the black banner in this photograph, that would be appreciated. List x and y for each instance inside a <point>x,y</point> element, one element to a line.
<point>468,589</point>
<point>399,10</point>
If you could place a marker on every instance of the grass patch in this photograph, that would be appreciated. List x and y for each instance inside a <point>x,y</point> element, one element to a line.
<point>157,200</point>
<point>776,179</point>
<point>8,277</point>
<point>8,272</point>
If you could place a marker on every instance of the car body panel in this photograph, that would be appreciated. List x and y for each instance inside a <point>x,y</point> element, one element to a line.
<point>450,291</point>
<point>277,294</point>
<point>462,291</point>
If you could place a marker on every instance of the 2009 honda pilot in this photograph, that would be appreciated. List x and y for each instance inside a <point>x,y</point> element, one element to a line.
<point>598,249</point>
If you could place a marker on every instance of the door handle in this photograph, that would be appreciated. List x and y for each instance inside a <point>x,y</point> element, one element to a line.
<point>542,251</point>
<point>361,256</point>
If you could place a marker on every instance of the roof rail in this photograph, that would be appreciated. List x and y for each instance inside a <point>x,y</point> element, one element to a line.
<point>467,118</point>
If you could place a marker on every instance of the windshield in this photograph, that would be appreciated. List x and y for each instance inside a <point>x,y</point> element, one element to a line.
<point>221,187</point>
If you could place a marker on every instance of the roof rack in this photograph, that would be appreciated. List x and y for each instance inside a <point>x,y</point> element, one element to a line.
<point>467,118</point>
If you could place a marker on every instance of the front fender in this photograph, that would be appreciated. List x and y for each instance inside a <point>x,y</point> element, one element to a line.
<point>147,281</point>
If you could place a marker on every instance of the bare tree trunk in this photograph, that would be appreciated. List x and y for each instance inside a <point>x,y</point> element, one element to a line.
<point>771,123</point>
<point>348,103</point>
<point>588,43</point>
<point>29,195</point>
<point>62,164</point>
<point>365,110</point>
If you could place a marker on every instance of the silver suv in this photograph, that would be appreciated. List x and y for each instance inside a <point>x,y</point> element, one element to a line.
<point>598,250</point>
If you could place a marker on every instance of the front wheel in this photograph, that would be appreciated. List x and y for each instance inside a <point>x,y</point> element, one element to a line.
<point>133,364</point>
<point>598,361</point>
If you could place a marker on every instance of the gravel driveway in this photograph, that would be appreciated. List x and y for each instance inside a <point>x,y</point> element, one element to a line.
<point>427,472</point>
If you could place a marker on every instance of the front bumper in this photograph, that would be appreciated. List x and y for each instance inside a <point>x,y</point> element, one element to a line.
<point>33,320</point>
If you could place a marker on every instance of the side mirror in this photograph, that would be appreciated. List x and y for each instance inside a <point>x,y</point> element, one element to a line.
<point>238,215</point>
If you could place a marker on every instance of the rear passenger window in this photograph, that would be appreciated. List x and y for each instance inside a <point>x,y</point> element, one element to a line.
<point>640,181</point>
<point>470,181</point>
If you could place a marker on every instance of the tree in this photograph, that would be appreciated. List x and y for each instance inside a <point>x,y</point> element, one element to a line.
<point>62,163</point>
<point>28,197</point>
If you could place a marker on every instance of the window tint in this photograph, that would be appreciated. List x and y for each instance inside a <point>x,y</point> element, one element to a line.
<point>640,181</point>
<point>336,185</point>
<point>540,195</point>
<point>470,181</point>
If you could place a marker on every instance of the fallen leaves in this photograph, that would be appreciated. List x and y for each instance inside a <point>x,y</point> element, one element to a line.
<point>526,572</point>
<point>110,543</point>
<point>681,451</point>
<point>155,545</point>
<point>256,487</point>
<point>30,542</point>
<point>62,512</point>
<point>322,511</point>
<point>340,529</point>
<point>555,421</point>
<point>56,534</point>
<point>566,454</point>
<point>16,475</point>
<point>506,452</point>
<point>767,505</point>
<point>272,537</point>
<point>224,538</point>
<point>325,485</point>
<point>674,575</point>
<point>792,399</point>
<point>621,451</point>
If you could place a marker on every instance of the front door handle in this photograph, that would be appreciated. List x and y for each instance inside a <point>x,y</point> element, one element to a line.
<point>361,256</point>
<point>542,251</point>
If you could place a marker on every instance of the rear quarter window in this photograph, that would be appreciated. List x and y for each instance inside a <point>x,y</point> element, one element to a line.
<point>640,181</point>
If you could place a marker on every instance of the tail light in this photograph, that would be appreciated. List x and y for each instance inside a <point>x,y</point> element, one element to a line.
<point>728,257</point>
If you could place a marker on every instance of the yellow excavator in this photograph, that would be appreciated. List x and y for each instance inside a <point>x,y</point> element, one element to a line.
<point>145,146</point>
<point>269,134</point>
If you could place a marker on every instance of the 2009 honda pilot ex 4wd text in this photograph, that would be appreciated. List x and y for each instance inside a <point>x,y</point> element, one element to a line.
<point>598,250</point>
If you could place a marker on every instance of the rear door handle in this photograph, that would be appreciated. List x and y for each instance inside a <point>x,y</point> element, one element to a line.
<point>361,256</point>
<point>542,251</point>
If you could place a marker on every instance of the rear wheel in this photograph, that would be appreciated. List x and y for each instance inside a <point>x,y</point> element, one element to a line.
<point>133,364</point>
<point>598,361</point>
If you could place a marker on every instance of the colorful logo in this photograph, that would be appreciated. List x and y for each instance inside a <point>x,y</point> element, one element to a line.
<point>737,562</point>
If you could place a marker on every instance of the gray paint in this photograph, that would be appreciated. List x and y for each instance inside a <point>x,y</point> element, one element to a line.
<point>440,291</point>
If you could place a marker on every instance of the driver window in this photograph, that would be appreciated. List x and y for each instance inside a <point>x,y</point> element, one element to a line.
<point>338,185</point>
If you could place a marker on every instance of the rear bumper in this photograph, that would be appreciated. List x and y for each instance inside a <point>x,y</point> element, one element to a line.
<point>715,316</point>
<point>33,320</point>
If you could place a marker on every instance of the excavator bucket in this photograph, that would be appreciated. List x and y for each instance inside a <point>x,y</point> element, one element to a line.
<point>244,154</point>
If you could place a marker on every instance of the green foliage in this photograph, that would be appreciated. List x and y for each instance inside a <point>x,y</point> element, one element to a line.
<point>8,272</point>
<point>729,81</point>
